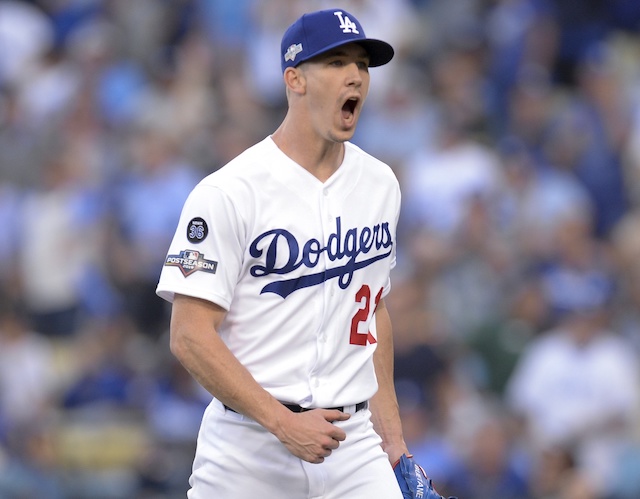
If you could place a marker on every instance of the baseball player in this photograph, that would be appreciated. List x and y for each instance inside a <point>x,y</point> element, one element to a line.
<point>277,274</point>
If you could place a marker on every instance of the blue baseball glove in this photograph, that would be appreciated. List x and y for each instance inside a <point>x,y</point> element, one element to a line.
<point>414,482</point>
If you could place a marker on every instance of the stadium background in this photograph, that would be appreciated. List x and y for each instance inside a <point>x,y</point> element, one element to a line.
<point>514,128</point>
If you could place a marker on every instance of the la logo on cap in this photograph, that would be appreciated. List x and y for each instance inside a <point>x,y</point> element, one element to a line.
<point>347,25</point>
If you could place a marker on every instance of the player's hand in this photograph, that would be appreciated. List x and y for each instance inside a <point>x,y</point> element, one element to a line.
<point>310,435</point>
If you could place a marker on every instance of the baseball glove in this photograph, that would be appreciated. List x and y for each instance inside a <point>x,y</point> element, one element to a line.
<point>414,482</point>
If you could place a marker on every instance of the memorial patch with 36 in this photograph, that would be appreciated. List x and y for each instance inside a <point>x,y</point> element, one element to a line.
<point>197,230</point>
<point>190,261</point>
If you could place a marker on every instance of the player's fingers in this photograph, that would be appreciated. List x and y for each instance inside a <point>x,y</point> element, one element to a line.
<point>332,415</point>
<point>337,434</point>
<point>331,444</point>
<point>318,457</point>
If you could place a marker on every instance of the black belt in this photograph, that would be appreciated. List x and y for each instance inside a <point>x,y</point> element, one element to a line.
<point>298,408</point>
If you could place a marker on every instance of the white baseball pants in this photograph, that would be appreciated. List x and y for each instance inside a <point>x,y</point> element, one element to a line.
<point>236,458</point>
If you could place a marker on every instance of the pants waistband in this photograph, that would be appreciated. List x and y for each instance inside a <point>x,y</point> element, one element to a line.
<point>350,409</point>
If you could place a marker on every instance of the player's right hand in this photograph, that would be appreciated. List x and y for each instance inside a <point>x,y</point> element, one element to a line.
<point>310,435</point>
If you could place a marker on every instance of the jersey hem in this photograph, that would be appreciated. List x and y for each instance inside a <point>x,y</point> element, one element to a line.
<point>169,295</point>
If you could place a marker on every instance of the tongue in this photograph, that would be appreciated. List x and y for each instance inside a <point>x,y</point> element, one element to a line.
<point>346,112</point>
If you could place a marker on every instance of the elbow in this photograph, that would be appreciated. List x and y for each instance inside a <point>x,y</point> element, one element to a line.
<point>177,344</point>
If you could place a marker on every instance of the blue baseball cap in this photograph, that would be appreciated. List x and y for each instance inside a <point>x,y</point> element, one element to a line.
<point>317,32</point>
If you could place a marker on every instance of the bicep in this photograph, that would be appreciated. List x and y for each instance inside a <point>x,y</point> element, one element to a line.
<point>193,320</point>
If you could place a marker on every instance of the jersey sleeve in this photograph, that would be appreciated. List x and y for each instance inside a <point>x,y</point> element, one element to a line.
<point>205,256</point>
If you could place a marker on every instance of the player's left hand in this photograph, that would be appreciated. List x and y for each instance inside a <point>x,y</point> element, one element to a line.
<point>414,482</point>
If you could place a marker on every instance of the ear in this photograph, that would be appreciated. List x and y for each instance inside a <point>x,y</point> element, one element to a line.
<point>294,80</point>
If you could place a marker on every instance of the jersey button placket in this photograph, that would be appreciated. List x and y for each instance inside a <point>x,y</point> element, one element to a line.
<point>328,226</point>
<point>327,211</point>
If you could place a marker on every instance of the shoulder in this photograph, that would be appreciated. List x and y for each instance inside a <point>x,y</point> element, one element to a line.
<point>242,169</point>
<point>374,166</point>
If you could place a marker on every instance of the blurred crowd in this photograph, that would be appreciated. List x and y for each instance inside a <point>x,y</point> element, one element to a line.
<point>514,129</point>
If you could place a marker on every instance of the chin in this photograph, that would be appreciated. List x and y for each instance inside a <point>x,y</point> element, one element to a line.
<point>343,135</point>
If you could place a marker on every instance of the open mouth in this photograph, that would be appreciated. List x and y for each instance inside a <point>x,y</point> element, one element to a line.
<point>349,108</point>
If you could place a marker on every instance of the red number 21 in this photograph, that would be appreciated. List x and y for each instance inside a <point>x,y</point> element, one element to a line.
<point>363,296</point>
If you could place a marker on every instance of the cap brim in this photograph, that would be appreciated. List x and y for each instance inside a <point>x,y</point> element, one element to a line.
<point>380,53</point>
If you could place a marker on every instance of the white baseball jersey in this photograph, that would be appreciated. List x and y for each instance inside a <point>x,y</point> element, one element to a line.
<point>299,265</point>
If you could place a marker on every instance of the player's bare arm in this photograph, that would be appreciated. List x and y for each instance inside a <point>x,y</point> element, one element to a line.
<point>385,413</point>
<point>196,343</point>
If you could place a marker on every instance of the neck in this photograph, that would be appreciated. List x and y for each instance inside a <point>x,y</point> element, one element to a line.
<point>319,156</point>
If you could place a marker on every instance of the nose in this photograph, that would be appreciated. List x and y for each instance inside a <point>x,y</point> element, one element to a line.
<point>354,75</point>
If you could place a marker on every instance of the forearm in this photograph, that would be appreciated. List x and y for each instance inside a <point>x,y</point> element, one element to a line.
<point>197,345</point>
<point>384,404</point>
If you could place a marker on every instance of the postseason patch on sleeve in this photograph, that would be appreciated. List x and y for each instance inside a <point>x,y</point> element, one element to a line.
<point>190,261</point>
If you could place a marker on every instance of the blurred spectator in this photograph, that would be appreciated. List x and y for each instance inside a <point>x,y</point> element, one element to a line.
<point>450,202</point>
<point>424,436</point>
<point>176,405</point>
<point>23,145</point>
<point>441,182</point>
<point>105,376</point>
<point>580,27</point>
<point>530,106</point>
<point>497,345</point>
<point>590,134</point>
<point>492,466</point>
<point>535,202</point>
<point>9,230</point>
<point>577,385</point>
<point>25,35</point>
<point>406,115</point>
<point>179,104</point>
<point>520,34</point>
<point>146,207</point>
<point>29,379</point>
<point>116,82</point>
<point>48,88</point>
<point>555,474</point>
<point>626,476</point>
<point>458,84</point>
<point>227,23</point>
<point>262,78</point>
<point>30,469</point>
<point>173,409</point>
<point>56,252</point>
